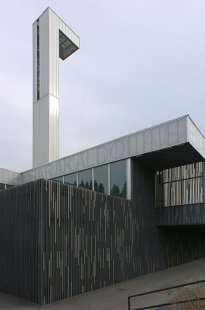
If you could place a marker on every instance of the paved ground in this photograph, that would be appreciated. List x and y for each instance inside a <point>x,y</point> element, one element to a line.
<point>115,297</point>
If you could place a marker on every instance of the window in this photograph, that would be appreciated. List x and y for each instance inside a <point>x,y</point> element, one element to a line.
<point>101,179</point>
<point>85,179</point>
<point>70,179</point>
<point>118,184</point>
<point>9,186</point>
<point>59,179</point>
<point>180,185</point>
<point>38,63</point>
<point>110,179</point>
<point>2,187</point>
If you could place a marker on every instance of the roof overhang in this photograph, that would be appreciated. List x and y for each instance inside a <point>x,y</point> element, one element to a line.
<point>171,157</point>
<point>170,144</point>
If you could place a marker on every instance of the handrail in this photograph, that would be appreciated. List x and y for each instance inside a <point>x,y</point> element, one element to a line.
<point>165,289</point>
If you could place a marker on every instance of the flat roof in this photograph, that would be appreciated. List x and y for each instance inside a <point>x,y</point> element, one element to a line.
<point>171,134</point>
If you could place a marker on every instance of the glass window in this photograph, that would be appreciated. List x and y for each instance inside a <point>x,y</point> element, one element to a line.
<point>181,185</point>
<point>59,179</point>
<point>70,179</point>
<point>118,184</point>
<point>2,187</point>
<point>101,179</point>
<point>9,186</point>
<point>85,179</point>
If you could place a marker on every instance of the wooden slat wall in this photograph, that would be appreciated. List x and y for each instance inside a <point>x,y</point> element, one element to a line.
<point>160,247</point>
<point>88,241</point>
<point>19,220</point>
<point>181,215</point>
<point>57,241</point>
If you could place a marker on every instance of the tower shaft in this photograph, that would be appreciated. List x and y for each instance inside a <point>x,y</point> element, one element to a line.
<point>52,39</point>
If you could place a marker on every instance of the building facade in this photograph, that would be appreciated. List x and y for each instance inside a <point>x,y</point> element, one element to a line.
<point>107,214</point>
<point>119,210</point>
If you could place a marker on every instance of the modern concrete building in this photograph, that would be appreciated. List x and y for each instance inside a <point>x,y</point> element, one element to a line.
<point>118,210</point>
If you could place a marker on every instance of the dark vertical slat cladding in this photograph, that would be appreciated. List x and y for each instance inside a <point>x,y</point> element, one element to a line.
<point>58,240</point>
<point>181,215</point>
<point>90,250</point>
<point>19,218</point>
<point>163,247</point>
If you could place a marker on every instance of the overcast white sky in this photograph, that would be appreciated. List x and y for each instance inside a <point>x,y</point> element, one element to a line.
<point>141,62</point>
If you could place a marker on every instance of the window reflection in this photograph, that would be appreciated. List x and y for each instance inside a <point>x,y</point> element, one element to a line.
<point>2,187</point>
<point>97,179</point>
<point>59,179</point>
<point>9,186</point>
<point>5,186</point>
<point>101,179</point>
<point>70,179</point>
<point>118,184</point>
<point>85,179</point>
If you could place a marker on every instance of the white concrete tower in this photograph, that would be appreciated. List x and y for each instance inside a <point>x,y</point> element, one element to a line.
<point>52,39</point>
